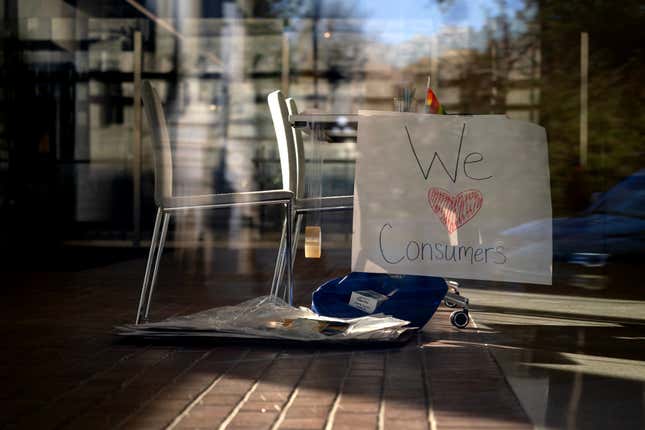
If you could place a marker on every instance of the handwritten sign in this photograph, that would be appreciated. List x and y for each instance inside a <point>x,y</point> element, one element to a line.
<point>453,196</point>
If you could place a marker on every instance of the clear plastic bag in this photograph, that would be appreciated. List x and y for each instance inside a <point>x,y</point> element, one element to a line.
<point>269,317</point>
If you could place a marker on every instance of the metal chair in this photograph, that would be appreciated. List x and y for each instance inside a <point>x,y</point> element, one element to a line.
<point>168,204</point>
<point>292,137</point>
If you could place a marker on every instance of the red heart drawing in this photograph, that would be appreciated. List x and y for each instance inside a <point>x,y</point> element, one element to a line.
<point>456,211</point>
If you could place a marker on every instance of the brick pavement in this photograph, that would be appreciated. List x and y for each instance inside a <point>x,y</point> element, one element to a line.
<point>63,369</point>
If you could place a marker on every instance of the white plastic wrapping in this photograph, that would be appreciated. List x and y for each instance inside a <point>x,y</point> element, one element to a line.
<point>269,317</point>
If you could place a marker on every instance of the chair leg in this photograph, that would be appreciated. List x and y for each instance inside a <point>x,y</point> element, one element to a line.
<point>151,256</point>
<point>296,234</point>
<point>289,251</point>
<point>278,273</point>
<point>162,242</point>
<point>279,261</point>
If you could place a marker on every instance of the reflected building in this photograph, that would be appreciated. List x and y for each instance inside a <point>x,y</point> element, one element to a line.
<point>67,126</point>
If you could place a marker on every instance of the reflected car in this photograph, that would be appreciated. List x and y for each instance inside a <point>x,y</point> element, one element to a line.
<point>613,227</point>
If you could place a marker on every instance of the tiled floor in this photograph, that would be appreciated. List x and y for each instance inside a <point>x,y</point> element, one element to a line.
<point>63,368</point>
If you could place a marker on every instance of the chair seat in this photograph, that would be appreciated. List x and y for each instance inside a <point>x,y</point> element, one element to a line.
<point>214,200</point>
<point>328,203</point>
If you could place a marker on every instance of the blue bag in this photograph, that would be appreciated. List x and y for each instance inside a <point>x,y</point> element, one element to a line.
<point>408,297</point>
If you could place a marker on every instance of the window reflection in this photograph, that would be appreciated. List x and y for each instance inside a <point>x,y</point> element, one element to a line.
<point>66,125</point>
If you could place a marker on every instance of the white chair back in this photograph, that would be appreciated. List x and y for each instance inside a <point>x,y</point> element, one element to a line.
<point>284,136</point>
<point>300,150</point>
<point>161,150</point>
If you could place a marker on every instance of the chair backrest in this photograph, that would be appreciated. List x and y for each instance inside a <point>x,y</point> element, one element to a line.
<point>161,151</point>
<point>284,136</point>
<point>300,150</point>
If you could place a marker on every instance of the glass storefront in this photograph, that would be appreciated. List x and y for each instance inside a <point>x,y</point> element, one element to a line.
<point>74,172</point>
<point>77,207</point>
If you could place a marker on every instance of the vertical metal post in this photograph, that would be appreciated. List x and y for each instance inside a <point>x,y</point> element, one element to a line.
<point>584,87</point>
<point>136,149</point>
<point>493,76</point>
<point>285,63</point>
<point>314,34</point>
<point>534,92</point>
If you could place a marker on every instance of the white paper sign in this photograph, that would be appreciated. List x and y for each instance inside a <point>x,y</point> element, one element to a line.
<point>452,196</point>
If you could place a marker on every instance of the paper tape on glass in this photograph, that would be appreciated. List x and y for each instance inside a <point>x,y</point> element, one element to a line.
<point>313,242</point>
